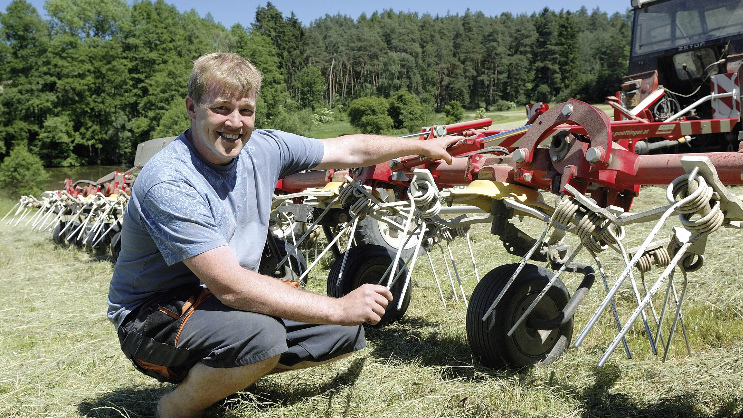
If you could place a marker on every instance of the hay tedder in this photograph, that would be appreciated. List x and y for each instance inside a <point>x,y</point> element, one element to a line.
<point>570,168</point>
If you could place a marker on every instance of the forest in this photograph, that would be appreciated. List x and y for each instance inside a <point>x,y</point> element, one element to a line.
<point>97,77</point>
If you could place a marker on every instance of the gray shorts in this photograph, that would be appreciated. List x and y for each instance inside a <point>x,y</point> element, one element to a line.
<point>169,334</point>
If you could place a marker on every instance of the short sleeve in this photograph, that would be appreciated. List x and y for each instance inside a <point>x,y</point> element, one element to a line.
<point>180,221</point>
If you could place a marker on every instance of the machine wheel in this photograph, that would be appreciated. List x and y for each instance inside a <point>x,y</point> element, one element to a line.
<point>115,246</point>
<point>56,237</point>
<point>90,239</point>
<point>373,231</point>
<point>269,261</point>
<point>367,264</point>
<point>527,346</point>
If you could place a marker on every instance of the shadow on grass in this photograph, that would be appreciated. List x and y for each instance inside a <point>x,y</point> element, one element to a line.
<point>600,401</point>
<point>417,340</point>
<point>264,395</point>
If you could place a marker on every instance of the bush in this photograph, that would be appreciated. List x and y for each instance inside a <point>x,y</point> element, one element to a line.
<point>406,111</point>
<point>22,173</point>
<point>454,112</point>
<point>299,122</point>
<point>369,115</point>
<point>502,105</point>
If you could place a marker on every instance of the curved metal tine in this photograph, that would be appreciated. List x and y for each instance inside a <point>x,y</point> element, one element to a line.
<point>523,262</point>
<point>80,229</point>
<point>436,277</point>
<point>679,255</point>
<point>345,253</point>
<point>399,250</point>
<point>456,272</point>
<point>448,272</point>
<point>638,297</point>
<point>74,216</point>
<point>393,279</point>
<point>640,251</point>
<point>310,229</point>
<point>613,306</point>
<point>545,290</point>
<point>26,210</point>
<point>327,248</point>
<point>472,256</point>
<point>679,317</point>
<point>38,213</point>
<point>659,332</point>
<point>663,309</point>
<point>11,210</point>
<point>411,263</point>
<point>42,219</point>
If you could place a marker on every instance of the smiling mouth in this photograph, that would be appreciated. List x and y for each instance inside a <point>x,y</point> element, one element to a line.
<point>230,137</point>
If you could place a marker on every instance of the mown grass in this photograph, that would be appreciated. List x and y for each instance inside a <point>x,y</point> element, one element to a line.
<point>59,356</point>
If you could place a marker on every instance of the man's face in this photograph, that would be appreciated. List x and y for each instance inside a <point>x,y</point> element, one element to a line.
<point>221,124</point>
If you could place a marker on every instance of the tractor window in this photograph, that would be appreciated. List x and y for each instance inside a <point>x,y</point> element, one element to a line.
<point>683,23</point>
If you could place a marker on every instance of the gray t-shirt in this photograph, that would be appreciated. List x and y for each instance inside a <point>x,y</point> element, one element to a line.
<point>182,205</point>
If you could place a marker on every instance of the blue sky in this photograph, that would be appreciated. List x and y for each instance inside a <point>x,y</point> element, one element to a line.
<point>229,12</point>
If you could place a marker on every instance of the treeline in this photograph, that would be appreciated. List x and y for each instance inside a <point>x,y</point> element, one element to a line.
<point>96,78</point>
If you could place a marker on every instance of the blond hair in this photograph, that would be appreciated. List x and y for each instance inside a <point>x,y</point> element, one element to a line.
<point>227,71</point>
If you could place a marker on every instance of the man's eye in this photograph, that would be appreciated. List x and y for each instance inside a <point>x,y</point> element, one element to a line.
<point>246,112</point>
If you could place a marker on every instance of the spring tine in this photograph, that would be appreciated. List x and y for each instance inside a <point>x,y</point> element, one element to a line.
<point>345,253</point>
<point>436,277</point>
<point>399,250</point>
<point>327,248</point>
<point>644,303</point>
<point>610,294</point>
<point>617,322</point>
<point>23,215</point>
<point>472,256</point>
<point>310,229</point>
<point>11,210</point>
<point>411,263</point>
<point>456,273</point>
<point>448,271</point>
<point>637,295</point>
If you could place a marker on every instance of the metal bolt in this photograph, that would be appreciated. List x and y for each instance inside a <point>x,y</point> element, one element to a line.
<point>527,177</point>
<point>593,155</point>
<point>567,110</point>
<point>520,155</point>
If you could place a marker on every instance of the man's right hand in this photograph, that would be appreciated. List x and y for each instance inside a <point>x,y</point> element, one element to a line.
<point>364,304</point>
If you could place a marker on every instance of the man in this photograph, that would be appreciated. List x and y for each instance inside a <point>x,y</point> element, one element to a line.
<point>185,297</point>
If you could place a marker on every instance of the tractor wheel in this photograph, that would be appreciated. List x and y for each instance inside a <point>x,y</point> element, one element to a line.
<point>367,264</point>
<point>527,346</point>
<point>115,246</point>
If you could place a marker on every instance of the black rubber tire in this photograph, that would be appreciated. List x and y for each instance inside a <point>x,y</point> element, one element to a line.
<point>115,246</point>
<point>367,264</point>
<point>269,262</point>
<point>56,237</point>
<point>99,249</point>
<point>489,341</point>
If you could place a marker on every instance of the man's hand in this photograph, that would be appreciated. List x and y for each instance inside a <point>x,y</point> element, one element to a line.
<point>437,148</point>
<point>364,304</point>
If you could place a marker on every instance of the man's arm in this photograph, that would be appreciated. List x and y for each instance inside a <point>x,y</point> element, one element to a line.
<point>247,290</point>
<point>360,150</point>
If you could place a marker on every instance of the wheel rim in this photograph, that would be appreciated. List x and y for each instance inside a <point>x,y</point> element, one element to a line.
<point>394,237</point>
<point>530,341</point>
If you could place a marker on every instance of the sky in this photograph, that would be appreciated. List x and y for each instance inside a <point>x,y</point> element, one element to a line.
<point>229,12</point>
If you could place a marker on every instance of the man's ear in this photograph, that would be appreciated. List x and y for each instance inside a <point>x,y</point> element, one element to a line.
<point>191,108</point>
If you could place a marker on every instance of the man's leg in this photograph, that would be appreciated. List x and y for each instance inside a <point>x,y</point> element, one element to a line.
<point>205,385</point>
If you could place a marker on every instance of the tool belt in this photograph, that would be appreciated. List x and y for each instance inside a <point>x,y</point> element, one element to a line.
<point>150,338</point>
